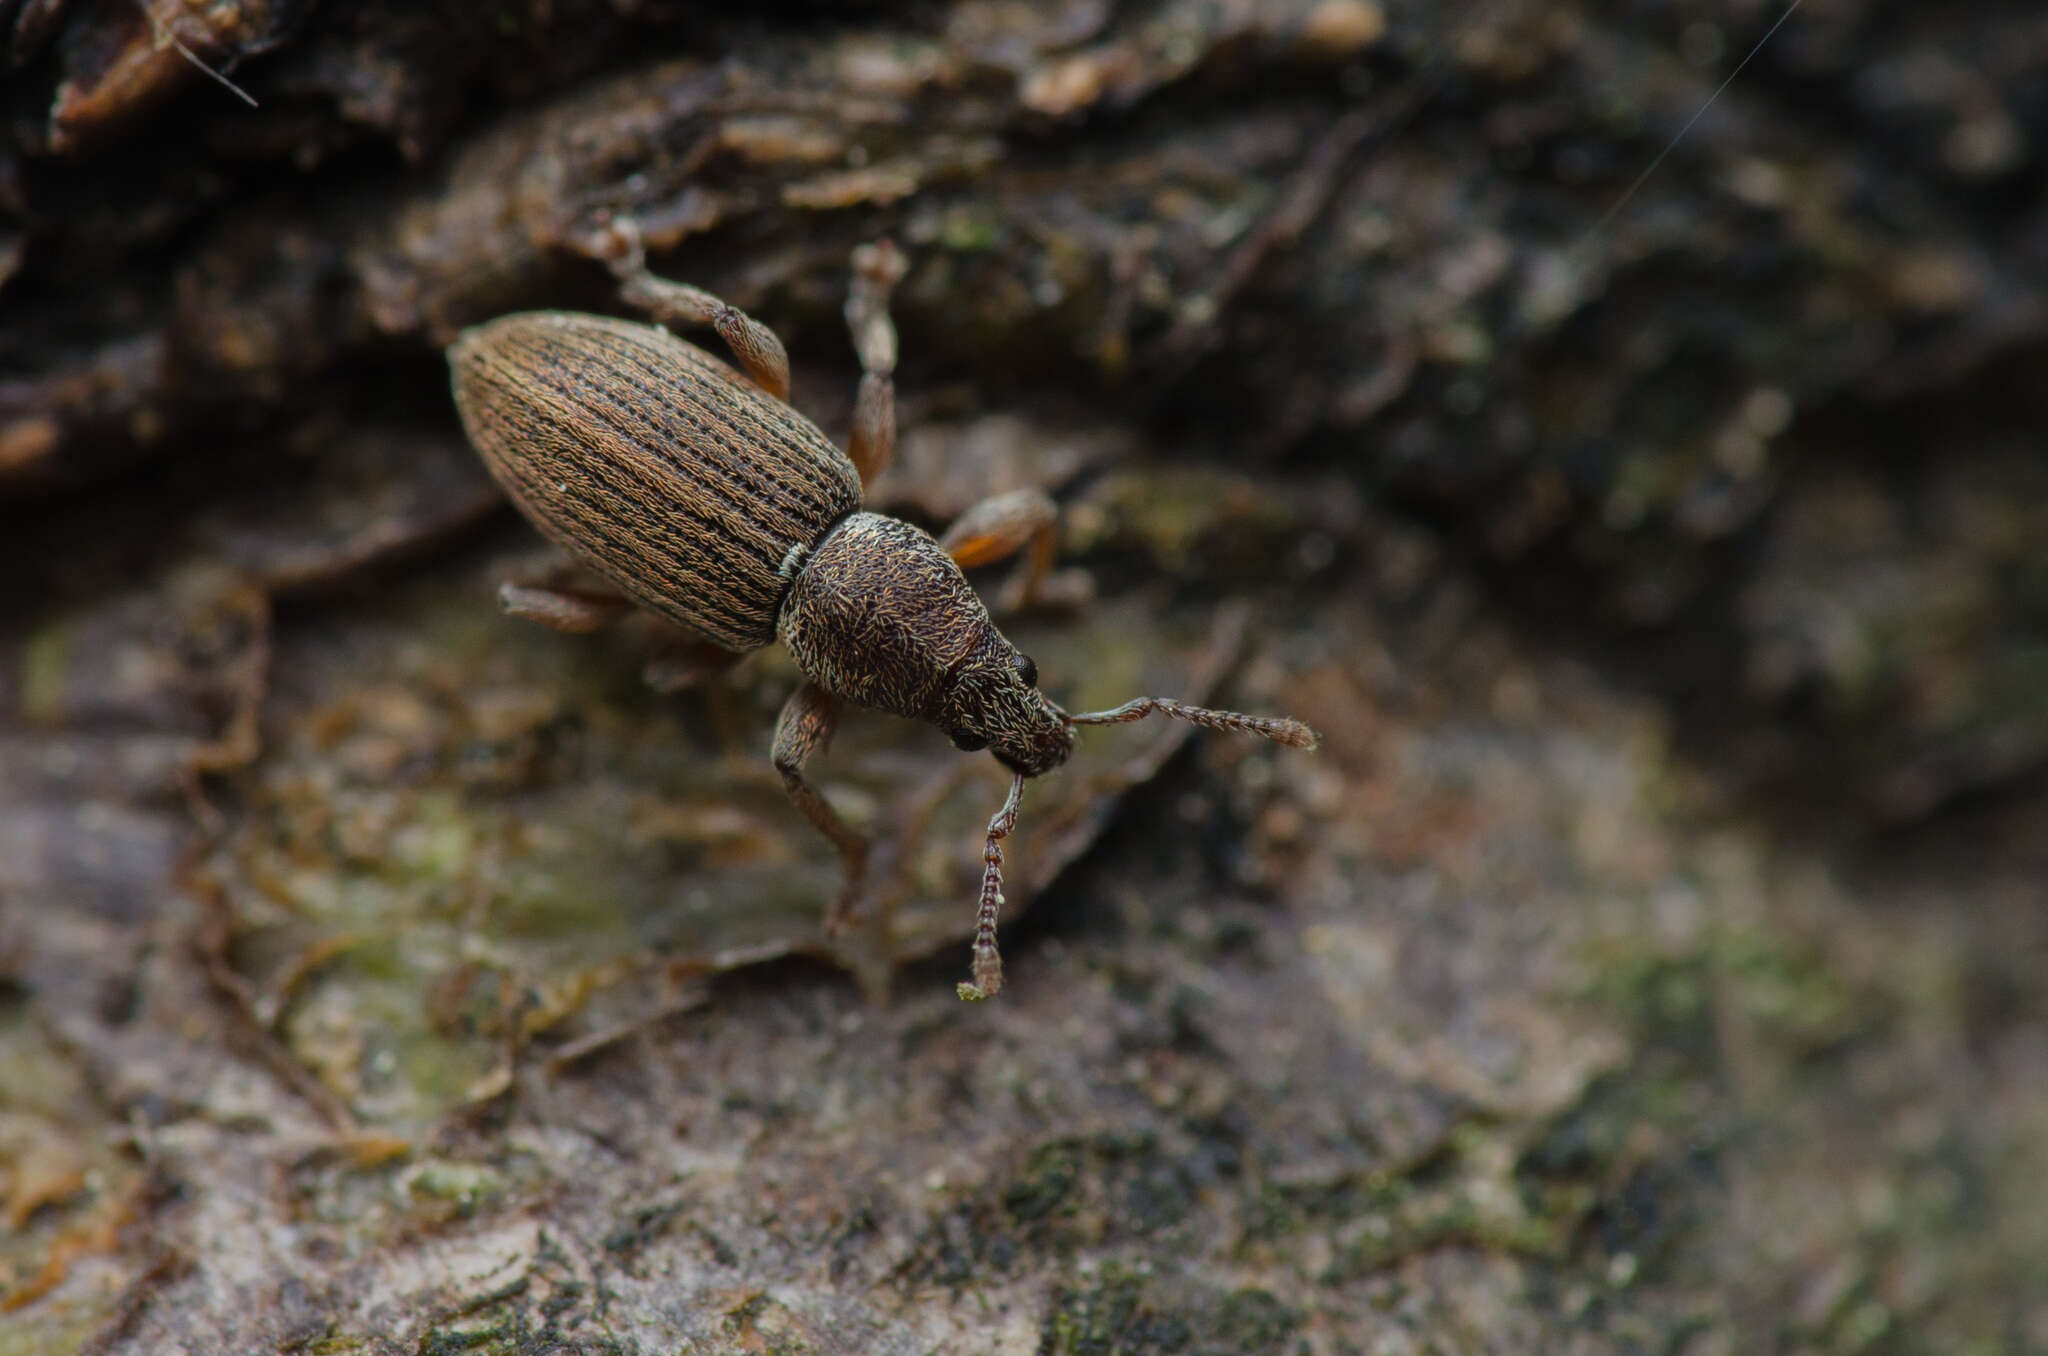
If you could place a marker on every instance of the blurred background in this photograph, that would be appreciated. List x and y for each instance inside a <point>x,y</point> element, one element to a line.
<point>1652,959</point>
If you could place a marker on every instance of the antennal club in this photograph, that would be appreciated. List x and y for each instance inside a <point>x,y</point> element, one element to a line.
<point>988,961</point>
<point>1279,729</point>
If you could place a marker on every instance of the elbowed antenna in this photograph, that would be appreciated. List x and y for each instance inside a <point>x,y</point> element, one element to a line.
<point>1279,729</point>
<point>988,961</point>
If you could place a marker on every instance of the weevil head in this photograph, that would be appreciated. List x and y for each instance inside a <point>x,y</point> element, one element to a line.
<point>878,614</point>
<point>993,702</point>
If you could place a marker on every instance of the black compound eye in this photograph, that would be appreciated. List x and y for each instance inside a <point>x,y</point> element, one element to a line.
<point>1027,670</point>
<point>968,742</point>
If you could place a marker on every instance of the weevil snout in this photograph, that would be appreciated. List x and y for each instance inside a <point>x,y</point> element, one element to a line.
<point>1033,736</point>
<point>994,703</point>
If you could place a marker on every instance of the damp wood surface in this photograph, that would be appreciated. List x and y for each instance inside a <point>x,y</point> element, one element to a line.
<point>1651,959</point>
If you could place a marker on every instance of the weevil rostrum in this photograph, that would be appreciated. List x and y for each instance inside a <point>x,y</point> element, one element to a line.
<point>698,493</point>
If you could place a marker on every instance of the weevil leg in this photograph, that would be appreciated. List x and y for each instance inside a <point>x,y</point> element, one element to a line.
<point>804,728</point>
<point>877,268</point>
<point>752,343</point>
<point>687,661</point>
<point>1000,526</point>
<point>576,611</point>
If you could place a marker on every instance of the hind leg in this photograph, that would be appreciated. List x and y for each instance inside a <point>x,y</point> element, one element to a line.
<point>576,612</point>
<point>752,343</point>
<point>877,268</point>
<point>684,660</point>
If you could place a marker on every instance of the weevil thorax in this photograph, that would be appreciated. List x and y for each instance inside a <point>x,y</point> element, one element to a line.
<point>877,614</point>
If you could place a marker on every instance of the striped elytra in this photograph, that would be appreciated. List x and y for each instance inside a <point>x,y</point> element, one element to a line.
<point>652,463</point>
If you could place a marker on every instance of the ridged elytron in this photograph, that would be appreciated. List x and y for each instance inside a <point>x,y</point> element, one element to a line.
<point>700,495</point>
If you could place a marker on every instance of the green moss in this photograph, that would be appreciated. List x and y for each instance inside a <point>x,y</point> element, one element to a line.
<point>452,1341</point>
<point>1111,1317</point>
<point>970,228</point>
<point>437,846</point>
<point>1071,1191</point>
<point>651,1222</point>
<point>1790,990</point>
<point>1121,1312</point>
<point>500,1323</point>
<point>1185,520</point>
<point>1251,1320</point>
<point>1582,1141</point>
<point>1046,1183</point>
<point>555,906</point>
<point>41,1079</point>
<point>445,1189</point>
<point>29,1335</point>
<point>1465,1192</point>
<point>1784,985</point>
<point>45,657</point>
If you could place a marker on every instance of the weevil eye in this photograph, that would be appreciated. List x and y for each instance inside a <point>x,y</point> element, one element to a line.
<point>1027,670</point>
<point>967,742</point>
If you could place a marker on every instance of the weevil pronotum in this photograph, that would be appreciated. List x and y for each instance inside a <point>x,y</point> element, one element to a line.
<point>699,494</point>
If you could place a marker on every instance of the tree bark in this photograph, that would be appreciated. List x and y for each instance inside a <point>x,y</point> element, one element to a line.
<point>1648,511</point>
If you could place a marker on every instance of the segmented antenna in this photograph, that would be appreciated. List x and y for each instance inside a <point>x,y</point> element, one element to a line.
<point>1279,729</point>
<point>988,961</point>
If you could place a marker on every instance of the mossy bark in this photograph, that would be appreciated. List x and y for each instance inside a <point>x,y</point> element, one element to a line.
<point>1651,959</point>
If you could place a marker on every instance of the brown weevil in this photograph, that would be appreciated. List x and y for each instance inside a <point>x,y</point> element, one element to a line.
<point>700,495</point>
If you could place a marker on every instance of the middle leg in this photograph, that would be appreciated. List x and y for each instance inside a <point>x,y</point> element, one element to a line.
<point>804,728</point>
<point>1000,526</point>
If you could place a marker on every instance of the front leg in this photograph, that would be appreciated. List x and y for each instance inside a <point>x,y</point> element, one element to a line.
<point>1000,526</point>
<point>804,728</point>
